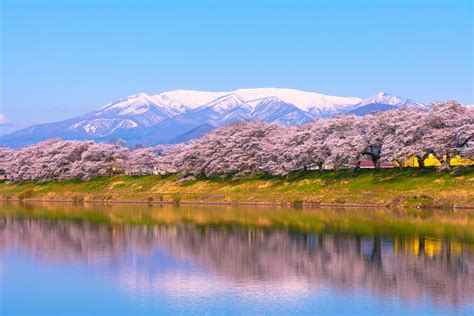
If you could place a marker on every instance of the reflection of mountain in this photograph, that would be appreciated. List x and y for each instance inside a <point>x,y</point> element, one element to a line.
<point>247,258</point>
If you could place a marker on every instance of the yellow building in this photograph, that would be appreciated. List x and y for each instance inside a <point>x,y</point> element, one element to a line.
<point>431,161</point>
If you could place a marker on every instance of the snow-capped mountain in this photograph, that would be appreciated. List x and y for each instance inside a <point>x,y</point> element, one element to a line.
<point>134,111</point>
<point>186,114</point>
<point>320,105</point>
<point>385,98</point>
<point>381,102</point>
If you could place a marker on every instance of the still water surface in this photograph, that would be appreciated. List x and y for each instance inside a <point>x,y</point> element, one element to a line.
<point>159,261</point>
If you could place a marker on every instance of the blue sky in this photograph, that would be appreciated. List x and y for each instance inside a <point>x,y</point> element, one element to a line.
<point>63,58</point>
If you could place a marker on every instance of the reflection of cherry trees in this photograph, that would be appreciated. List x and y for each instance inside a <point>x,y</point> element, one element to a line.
<point>409,268</point>
<point>344,261</point>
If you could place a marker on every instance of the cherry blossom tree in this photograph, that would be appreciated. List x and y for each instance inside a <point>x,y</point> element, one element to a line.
<point>450,128</point>
<point>59,160</point>
<point>406,135</point>
<point>345,142</point>
<point>308,145</point>
<point>142,161</point>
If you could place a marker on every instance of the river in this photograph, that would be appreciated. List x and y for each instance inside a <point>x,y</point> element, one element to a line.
<point>138,259</point>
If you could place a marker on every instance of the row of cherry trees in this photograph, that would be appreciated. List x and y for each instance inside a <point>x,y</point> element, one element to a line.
<point>445,130</point>
<point>60,160</point>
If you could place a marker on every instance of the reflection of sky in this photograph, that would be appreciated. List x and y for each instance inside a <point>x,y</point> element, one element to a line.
<point>147,283</point>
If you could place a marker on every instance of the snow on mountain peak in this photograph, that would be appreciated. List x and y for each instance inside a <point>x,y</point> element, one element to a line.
<point>225,102</point>
<point>140,103</point>
<point>180,101</point>
<point>177,102</point>
<point>192,98</point>
<point>386,98</point>
<point>135,99</point>
<point>302,99</point>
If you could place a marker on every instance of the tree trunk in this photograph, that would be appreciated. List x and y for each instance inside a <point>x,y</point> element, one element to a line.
<point>376,161</point>
<point>421,162</point>
<point>400,164</point>
<point>440,159</point>
<point>448,160</point>
<point>320,166</point>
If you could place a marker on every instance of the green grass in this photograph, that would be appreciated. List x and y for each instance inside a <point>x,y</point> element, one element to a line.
<point>409,187</point>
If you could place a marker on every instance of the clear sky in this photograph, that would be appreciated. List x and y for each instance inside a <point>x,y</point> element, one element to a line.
<point>64,58</point>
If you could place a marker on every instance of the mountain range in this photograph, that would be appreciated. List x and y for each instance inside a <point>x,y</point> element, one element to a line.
<point>181,115</point>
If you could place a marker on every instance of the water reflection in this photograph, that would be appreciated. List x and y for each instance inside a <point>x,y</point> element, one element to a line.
<point>187,260</point>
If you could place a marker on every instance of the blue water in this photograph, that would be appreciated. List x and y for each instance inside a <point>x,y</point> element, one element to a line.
<point>76,268</point>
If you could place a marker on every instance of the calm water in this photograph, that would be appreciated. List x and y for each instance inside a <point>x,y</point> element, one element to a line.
<point>54,262</point>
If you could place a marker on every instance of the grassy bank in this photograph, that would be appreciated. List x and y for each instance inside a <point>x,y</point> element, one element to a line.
<point>408,187</point>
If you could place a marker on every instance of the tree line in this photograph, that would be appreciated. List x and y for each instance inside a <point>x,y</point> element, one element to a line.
<point>444,130</point>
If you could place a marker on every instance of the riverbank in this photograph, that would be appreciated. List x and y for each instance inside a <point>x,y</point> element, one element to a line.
<point>409,187</point>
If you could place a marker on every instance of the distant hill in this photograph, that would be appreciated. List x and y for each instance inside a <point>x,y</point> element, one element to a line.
<point>195,133</point>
